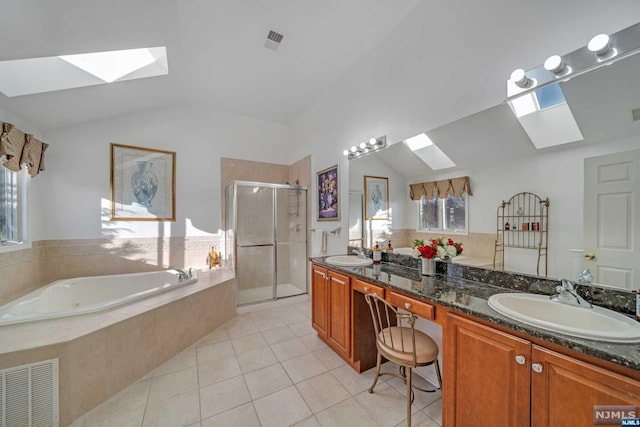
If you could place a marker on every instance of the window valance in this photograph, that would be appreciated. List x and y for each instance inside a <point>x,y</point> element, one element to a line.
<point>455,186</point>
<point>20,148</point>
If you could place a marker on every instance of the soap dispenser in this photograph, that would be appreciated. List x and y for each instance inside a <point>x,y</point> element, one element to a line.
<point>389,247</point>
<point>377,254</point>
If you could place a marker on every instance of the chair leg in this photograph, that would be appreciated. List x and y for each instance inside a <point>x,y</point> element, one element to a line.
<point>437,366</point>
<point>375,380</point>
<point>409,396</point>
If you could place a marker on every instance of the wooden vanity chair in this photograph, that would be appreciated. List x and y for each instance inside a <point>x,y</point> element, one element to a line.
<point>399,342</point>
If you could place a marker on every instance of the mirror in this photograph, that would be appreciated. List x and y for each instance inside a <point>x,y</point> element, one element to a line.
<point>495,152</point>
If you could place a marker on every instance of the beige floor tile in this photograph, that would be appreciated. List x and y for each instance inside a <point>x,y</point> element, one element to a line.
<point>347,413</point>
<point>419,419</point>
<point>176,411</point>
<point>269,323</point>
<point>354,383</point>
<point>303,367</point>
<point>241,326</point>
<point>215,351</point>
<point>309,422</point>
<point>256,359</point>
<point>279,334</point>
<point>248,343</point>
<point>218,370</point>
<point>133,397</point>
<point>288,349</point>
<point>322,392</point>
<point>291,317</point>
<point>220,334</point>
<point>241,416</point>
<point>329,358</point>
<point>421,399</point>
<point>302,328</point>
<point>313,343</point>
<point>267,380</point>
<point>385,405</point>
<point>172,384</point>
<point>184,359</point>
<point>435,411</point>
<point>222,396</point>
<point>282,408</point>
<point>131,418</point>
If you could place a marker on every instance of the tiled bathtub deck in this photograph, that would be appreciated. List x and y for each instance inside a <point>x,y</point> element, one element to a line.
<point>263,368</point>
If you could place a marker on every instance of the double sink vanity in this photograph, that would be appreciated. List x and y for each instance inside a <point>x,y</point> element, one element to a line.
<point>511,356</point>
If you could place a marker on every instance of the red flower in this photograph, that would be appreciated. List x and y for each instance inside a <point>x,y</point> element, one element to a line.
<point>450,241</point>
<point>427,251</point>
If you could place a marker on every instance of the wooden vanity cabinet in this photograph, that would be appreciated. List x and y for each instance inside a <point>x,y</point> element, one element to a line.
<point>497,379</point>
<point>331,309</point>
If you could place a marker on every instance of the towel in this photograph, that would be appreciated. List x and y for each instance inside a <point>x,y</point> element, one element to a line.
<point>323,246</point>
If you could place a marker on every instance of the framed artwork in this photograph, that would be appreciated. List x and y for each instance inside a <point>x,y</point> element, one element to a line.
<point>143,184</point>
<point>328,201</point>
<point>376,197</point>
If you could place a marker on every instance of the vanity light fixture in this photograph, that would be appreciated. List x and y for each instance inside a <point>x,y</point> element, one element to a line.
<point>601,51</point>
<point>363,148</point>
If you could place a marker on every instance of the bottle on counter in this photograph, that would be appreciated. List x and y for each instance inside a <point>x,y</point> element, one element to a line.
<point>389,247</point>
<point>377,254</point>
<point>213,258</point>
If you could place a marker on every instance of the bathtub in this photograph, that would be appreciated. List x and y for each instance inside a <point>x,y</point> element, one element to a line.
<point>70,297</point>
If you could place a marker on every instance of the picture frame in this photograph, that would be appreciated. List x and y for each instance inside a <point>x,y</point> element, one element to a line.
<point>376,197</point>
<point>143,184</point>
<point>328,194</point>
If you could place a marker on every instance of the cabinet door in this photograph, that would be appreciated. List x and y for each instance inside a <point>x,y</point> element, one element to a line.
<point>566,390</point>
<point>339,331</point>
<point>484,384</point>
<point>319,298</point>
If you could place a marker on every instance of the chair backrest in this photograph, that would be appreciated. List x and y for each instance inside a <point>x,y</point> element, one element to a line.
<point>387,322</point>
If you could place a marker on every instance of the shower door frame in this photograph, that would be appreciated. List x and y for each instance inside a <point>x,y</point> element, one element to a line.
<point>274,187</point>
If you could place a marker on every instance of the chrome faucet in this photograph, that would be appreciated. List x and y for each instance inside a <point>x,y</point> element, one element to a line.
<point>183,275</point>
<point>359,252</point>
<point>566,294</point>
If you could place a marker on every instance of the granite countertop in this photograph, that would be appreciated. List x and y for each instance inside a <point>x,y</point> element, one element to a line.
<point>469,296</point>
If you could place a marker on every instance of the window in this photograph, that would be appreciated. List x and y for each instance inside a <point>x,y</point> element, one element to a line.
<point>12,206</point>
<point>444,215</point>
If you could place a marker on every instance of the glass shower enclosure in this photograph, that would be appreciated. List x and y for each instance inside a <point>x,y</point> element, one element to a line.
<point>266,239</point>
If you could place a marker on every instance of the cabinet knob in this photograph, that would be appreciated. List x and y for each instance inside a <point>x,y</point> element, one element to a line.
<point>407,305</point>
<point>520,359</point>
<point>366,289</point>
<point>537,368</point>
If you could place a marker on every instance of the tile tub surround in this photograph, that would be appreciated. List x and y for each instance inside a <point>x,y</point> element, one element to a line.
<point>467,290</point>
<point>24,270</point>
<point>102,353</point>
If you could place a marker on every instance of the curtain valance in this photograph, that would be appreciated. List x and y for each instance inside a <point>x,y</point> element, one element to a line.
<point>20,148</point>
<point>455,186</point>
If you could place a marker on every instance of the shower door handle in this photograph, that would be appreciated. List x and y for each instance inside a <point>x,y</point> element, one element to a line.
<point>256,246</point>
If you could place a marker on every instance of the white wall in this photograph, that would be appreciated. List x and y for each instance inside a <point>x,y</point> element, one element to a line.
<point>73,199</point>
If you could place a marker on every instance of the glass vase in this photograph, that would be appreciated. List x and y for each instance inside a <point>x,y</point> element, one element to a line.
<point>428,266</point>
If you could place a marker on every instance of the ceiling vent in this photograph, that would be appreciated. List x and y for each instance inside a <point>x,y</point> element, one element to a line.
<point>273,40</point>
<point>636,114</point>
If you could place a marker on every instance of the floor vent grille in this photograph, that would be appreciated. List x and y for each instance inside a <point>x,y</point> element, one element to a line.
<point>29,395</point>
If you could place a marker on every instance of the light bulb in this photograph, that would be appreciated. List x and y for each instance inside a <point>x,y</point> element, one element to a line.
<point>345,152</point>
<point>353,148</point>
<point>372,141</point>
<point>363,145</point>
<point>599,44</point>
<point>554,64</point>
<point>519,77</point>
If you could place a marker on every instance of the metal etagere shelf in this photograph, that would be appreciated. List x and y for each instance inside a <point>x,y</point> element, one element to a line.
<point>523,222</point>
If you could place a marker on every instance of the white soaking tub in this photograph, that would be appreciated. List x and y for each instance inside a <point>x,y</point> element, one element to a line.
<point>70,297</point>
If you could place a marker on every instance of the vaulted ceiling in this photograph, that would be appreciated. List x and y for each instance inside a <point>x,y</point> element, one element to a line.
<point>217,58</point>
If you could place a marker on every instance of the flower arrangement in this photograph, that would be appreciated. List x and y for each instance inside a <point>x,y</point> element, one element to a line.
<point>437,248</point>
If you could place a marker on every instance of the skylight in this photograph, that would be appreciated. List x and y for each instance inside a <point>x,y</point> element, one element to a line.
<point>37,75</point>
<point>546,117</point>
<point>430,153</point>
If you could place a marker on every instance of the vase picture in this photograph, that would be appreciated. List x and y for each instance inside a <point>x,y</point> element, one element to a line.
<point>428,266</point>
<point>144,183</point>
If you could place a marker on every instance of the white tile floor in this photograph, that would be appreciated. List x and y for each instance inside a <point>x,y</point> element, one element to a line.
<point>263,368</point>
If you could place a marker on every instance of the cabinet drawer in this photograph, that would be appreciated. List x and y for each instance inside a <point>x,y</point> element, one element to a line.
<point>422,309</point>
<point>367,288</point>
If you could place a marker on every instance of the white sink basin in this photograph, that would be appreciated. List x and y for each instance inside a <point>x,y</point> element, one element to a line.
<point>597,323</point>
<point>348,261</point>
